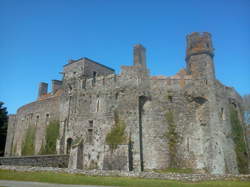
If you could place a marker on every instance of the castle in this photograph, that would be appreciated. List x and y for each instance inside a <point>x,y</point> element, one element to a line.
<point>134,121</point>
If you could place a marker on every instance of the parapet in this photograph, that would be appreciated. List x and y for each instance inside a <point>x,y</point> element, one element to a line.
<point>199,43</point>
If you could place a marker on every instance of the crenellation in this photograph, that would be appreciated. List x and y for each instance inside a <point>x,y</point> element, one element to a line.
<point>179,121</point>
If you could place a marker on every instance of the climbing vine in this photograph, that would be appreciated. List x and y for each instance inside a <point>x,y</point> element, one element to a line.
<point>52,133</point>
<point>28,145</point>
<point>117,134</point>
<point>172,137</point>
<point>238,137</point>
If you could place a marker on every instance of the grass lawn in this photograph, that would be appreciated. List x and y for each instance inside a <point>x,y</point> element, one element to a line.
<point>63,178</point>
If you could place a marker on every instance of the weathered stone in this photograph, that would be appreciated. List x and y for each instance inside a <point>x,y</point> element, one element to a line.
<point>91,96</point>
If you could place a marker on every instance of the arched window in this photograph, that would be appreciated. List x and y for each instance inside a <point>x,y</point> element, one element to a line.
<point>69,144</point>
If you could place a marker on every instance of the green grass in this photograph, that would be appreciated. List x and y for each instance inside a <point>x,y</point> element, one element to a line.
<point>63,178</point>
<point>175,170</point>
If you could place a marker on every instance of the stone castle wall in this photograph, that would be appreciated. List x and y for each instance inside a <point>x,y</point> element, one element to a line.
<point>180,121</point>
<point>38,115</point>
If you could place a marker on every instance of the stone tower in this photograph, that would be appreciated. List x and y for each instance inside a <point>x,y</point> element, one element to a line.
<point>199,56</point>
<point>43,89</point>
<point>140,55</point>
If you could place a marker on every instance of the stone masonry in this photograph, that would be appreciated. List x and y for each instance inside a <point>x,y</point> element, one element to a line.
<point>179,121</point>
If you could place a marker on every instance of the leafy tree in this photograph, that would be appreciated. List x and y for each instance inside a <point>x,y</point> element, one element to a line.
<point>3,127</point>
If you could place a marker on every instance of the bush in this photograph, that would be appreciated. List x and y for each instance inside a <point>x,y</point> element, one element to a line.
<point>28,146</point>
<point>52,133</point>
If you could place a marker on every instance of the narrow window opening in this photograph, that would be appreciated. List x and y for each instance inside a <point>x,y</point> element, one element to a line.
<point>170,98</point>
<point>97,105</point>
<point>103,81</point>
<point>94,78</point>
<point>37,119</point>
<point>83,84</point>
<point>91,123</point>
<point>116,95</point>
<point>47,118</point>
<point>69,144</point>
<point>222,113</point>
<point>90,136</point>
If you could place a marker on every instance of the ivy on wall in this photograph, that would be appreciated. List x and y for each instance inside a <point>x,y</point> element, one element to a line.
<point>52,133</point>
<point>172,137</point>
<point>117,134</point>
<point>238,137</point>
<point>28,144</point>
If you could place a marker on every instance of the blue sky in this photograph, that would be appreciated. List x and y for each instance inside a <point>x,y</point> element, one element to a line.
<point>38,37</point>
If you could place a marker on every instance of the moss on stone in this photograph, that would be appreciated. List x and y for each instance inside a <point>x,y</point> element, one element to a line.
<point>28,144</point>
<point>117,134</point>
<point>52,133</point>
<point>238,137</point>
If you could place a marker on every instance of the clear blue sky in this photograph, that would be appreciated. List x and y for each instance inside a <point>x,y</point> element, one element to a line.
<point>38,37</point>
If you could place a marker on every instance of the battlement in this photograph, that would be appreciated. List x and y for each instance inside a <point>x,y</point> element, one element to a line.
<point>199,43</point>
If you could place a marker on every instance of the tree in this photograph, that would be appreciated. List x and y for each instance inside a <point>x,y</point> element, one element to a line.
<point>3,127</point>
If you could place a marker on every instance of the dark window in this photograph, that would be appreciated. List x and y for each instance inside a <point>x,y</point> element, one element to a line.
<point>69,144</point>
<point>47,118</point>
<point>170,98</point>
<point>116,95</point>
<point>37,119</point>
<point>90,123</point>
<point>94,77</point>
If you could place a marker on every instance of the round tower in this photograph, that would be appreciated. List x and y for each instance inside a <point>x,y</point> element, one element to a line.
<point>199,55</point>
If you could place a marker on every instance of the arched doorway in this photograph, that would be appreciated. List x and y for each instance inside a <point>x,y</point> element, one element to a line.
<point>69,144</point>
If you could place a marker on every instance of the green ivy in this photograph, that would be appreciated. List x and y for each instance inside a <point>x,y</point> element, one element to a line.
<point>28,146</point>
<point>172,137</point>
<point>117,134</point>
<point>238,137</point>
<point>52,133</point>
